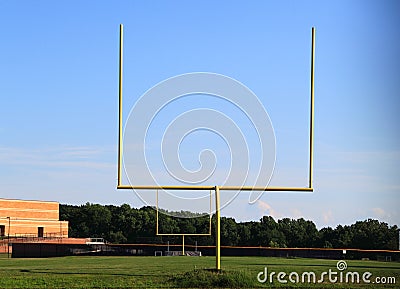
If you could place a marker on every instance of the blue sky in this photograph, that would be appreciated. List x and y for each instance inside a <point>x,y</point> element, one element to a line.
<point>59,88</point>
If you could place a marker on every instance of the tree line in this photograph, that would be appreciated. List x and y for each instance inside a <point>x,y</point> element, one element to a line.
<point>124,224</point>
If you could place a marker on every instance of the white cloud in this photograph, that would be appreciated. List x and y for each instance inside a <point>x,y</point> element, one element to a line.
<point>296,213</point>
<point>62,173</point>
<point>379,212</point>
<point>62,157</point>
<point>266,209</point>
<point>366,172</point>
<point>327,217</point>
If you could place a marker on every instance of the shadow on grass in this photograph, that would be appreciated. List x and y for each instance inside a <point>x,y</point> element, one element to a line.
<point>84,273</point>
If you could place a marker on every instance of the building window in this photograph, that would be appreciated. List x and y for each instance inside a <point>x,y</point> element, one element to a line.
<point>40,232</point>
<point>2,230</point>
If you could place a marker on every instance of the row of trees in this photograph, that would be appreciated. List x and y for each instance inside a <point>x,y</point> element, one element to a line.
<point>123,224</point>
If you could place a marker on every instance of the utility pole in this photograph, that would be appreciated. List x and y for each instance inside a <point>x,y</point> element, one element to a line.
<point>8,238</point>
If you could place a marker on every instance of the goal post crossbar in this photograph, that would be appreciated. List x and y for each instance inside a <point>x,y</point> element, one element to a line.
<point>222,188</point>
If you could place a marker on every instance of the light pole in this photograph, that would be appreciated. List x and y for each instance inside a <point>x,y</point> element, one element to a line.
<point>8,237</point>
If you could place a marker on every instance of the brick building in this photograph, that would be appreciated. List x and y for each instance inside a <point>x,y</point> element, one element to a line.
<point>20,218</point>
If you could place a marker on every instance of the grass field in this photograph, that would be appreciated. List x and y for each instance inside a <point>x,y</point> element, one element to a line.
<point>179,272</point>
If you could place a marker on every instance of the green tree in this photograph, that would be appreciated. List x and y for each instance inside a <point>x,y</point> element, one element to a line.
<point>229,232</point>
<point>124,224</point>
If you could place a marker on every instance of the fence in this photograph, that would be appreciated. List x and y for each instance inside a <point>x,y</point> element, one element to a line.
<point>38,249</point>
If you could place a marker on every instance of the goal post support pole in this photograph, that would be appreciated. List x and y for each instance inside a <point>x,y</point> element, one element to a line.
<point>217,230</point>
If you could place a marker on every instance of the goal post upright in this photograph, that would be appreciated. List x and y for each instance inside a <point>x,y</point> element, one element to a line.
<point>310,173</point>
<point>217,188</point>
<point>120,70</point>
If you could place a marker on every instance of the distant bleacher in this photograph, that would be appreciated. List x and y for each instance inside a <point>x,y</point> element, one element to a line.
<point>180,253</point>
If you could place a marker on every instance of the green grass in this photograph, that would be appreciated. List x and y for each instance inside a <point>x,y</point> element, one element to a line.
<point>174,272</point>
